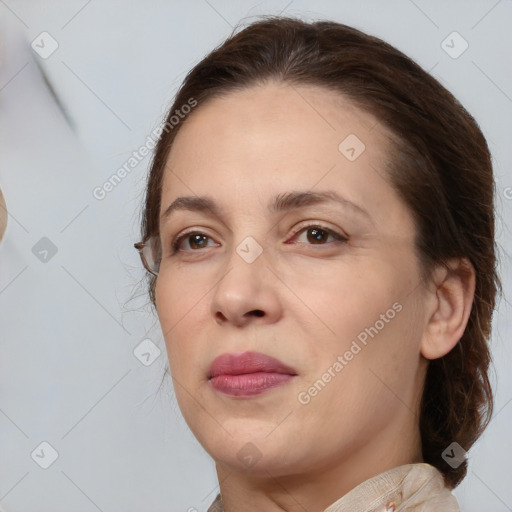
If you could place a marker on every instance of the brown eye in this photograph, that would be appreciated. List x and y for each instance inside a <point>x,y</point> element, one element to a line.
<point>195,239</point>
<point>319,235</point>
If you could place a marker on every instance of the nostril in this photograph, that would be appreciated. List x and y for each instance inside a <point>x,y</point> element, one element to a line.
<point>220,317</point>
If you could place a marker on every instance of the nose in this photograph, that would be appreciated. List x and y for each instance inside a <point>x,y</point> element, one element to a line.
<point>246,293</point>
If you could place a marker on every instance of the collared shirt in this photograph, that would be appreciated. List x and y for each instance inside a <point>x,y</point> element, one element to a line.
<point>409,488</point>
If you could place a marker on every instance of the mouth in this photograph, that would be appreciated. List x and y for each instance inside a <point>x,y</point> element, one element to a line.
<point>248,373</point>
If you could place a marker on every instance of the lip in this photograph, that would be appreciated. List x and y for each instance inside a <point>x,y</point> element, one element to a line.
<point>249,373</point>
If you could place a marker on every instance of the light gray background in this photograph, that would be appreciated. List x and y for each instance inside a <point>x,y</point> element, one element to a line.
<point>69,325</point>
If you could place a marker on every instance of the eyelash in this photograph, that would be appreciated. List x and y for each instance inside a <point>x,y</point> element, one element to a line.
<point>338,237</point>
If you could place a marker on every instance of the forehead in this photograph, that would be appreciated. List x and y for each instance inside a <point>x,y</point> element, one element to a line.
<point>249,145</point>
<point>284,120</point>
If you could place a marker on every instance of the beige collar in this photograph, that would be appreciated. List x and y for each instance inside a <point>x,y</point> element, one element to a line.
<point>412,488</point>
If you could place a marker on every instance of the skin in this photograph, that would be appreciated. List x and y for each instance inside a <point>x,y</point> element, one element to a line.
<point>301,302</point>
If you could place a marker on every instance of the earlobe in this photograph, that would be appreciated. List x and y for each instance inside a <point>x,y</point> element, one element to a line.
<point>448,307</point>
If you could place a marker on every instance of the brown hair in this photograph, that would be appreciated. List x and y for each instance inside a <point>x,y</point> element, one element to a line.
<point>441,168</point>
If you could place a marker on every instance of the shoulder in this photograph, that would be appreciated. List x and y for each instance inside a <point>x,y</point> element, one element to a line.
<point>216,505</point>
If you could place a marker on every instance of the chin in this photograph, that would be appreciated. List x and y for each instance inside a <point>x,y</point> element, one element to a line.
<point>256,454</point>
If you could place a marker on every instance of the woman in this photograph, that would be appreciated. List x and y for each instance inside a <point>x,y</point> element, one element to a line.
<point>319,232</point>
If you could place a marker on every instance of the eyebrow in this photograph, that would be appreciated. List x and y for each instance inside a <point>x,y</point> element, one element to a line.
<point>284,202</point>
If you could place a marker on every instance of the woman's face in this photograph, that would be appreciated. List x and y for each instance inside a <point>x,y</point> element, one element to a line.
<point>281,267</point>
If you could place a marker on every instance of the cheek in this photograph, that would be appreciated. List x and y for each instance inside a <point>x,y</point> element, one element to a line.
<point>365,376</point>
<point>346,298</point>
<point>381,354</point>
<point>365,312</point>
<point>180,309</point>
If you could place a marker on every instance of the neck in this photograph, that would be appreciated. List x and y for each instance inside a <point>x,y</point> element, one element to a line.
<point>315,490</point>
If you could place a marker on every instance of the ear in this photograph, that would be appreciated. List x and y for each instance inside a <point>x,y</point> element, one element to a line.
<point>449,300</point>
